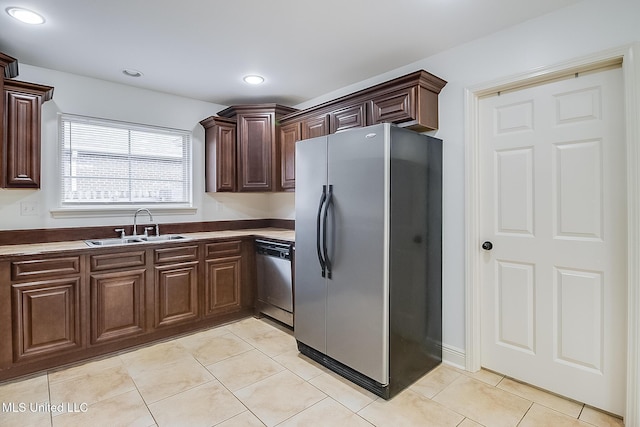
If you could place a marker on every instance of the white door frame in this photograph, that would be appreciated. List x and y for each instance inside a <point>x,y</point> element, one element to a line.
<point>628,55</point>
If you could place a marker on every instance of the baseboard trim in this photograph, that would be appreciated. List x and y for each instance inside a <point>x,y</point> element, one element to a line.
<point>453,356</point>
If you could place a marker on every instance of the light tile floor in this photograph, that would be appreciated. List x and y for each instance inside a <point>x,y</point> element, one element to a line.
<point>249,373</point>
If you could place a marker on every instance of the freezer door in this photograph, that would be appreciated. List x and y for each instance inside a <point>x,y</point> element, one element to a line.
<point>357,293</point>
<point>310,294</point>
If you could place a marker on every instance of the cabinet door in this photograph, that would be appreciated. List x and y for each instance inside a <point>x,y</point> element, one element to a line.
<point>222,285</point>
<point>394,107</point>
<point>176,294</point>
<point>315,126</point>
<point>289,135</point>
<point>255,151</point>
<point>220,156</point>
<point>347,118</point>
<point>22,167</point>
<point>117,305</point>
<point>46,317</point>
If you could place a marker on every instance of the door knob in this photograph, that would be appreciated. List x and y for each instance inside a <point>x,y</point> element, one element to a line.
<point>487,246</point>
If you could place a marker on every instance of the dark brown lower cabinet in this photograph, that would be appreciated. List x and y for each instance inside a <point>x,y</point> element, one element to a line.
<point>227,281</point>
<point>46,317</point>
<point>117,305</point>
<point>117,295</point>
<point>65,307</point>
<point>222,285</point>
<point>176,294</point>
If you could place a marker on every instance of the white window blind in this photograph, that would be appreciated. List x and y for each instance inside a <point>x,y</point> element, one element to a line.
<point>115,163</point>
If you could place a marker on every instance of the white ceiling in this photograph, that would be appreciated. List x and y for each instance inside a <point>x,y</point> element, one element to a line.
<point>202,48</point>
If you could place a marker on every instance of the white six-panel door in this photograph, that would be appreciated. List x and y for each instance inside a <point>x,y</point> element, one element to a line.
<point>553,206</point>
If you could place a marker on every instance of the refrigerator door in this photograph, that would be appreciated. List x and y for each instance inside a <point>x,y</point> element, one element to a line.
<point>310,286</point>
<point>357,293</point>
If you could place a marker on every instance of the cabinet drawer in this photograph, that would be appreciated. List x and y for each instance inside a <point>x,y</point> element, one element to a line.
<point>394,107</point>
<point>222,249</point>
<point>34,269</point>
<point>117,260</point>
<point>183,253</point>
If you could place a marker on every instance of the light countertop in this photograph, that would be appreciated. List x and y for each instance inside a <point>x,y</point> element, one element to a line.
<point>38,248</point>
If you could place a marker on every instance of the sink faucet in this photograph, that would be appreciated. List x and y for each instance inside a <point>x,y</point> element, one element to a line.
<point>135,217</point>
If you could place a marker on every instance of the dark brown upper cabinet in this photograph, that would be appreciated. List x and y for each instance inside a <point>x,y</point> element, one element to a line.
<point>409,101</point>
<point>8,70</point>
<point>289,135</point>
<point>347,117</point>
<point>21,152</point>
<point>20,127</point>
<point>313,127</point>
<point>267,133</point>
<point>257,148</point>
<point>220,154</point>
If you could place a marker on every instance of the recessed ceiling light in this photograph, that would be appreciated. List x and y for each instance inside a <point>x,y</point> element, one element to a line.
<point>25,15</point>
<point>253,79</point>
<point>131,72</point>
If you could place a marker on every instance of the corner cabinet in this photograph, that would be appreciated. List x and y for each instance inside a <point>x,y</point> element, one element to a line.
<point>256,149</point>
<point>21,145</point>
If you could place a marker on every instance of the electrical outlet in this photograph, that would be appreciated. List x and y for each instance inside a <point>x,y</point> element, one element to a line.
<point>28,208</point>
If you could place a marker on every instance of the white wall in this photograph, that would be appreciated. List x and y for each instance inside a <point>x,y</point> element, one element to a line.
<point>588,27</point>
<point>91,97</point>
<point>585,28</point>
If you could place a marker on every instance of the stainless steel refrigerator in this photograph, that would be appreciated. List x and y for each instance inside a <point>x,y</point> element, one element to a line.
<point>368,265</point>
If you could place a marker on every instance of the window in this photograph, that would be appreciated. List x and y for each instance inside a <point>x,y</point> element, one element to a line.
<point>109,163</point>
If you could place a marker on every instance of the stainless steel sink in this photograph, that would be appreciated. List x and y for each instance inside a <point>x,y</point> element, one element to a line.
<point>163,238</point>
<point>134,239</point>
<point>114,242</point>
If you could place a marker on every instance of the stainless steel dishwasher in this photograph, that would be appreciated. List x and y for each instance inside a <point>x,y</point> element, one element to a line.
<point>275,293</point>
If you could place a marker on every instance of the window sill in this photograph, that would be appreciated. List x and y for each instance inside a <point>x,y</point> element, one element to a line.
<point>105,211</point>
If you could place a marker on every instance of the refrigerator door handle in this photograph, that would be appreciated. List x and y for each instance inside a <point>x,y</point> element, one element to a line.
<point>325,251</point>
<point>323,198</point>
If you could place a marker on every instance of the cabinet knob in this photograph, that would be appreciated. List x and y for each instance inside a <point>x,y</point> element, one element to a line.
<point>487,246</point>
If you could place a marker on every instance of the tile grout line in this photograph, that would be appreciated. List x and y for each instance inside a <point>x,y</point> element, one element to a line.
<point>49,394</point>
<point>543,404</point>
<point>525,414</point>
<point>247,409</point>
<point>146,405</point>
<point>285,368</point>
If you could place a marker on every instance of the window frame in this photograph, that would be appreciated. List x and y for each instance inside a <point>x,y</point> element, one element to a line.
<point>110,208</point>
